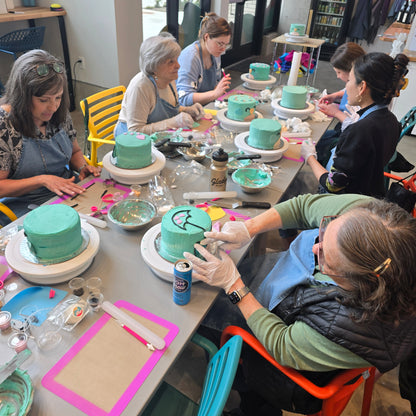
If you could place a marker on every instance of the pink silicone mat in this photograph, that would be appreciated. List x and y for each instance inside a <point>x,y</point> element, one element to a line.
<point>104,369</point>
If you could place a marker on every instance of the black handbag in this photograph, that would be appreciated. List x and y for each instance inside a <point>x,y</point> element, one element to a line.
<point>400,195</point>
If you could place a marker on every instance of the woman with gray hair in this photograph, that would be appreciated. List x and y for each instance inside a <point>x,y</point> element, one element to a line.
<point>150,103</point>
<point>39,151</point>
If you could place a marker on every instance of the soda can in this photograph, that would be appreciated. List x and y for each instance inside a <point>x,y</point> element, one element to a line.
<point>182,282</point>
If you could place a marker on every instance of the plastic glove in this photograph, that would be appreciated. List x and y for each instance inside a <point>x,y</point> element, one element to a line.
<point>196,111</point>
<point>180,120</point>
<point>220,272</point>
<point>307,149</point>
<point>234,234</point>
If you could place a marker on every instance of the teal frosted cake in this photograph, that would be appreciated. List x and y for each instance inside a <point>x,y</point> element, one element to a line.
<point>264,133</point>
<point>259,71</point>
<point>132,150</point>
<point>294,96</point>
<point>241,107</point>
<point>53,231</point>
<point>297,29</point>
<point>182,227</point>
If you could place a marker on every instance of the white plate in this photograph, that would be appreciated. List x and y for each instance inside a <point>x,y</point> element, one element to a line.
<point>253,84</point>
<point>135,176</point>
<point>53,273</point>
<point>266,155</point>
<point>233,125</point>
<point>294,38</point>
<point>284,112</point>
<point>160,266</point>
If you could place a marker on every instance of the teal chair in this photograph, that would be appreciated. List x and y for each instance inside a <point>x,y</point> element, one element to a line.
<point>219,378</point>
<point>22,40</point>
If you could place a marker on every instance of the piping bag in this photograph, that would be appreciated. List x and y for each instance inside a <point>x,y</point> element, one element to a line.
<point>131,323</point>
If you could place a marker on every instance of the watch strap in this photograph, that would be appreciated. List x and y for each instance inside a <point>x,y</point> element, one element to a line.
<point>236,295</point>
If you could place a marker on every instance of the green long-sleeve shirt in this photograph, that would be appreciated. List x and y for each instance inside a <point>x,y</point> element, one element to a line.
<point>298,345</point>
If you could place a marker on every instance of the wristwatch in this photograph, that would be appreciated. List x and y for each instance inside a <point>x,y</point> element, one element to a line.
<point>237,295</point>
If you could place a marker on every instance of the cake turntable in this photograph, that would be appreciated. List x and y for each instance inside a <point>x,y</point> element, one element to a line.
<point>233,125</point>
<point>135,176</point>
<point>253,84</point>
<point>296,38</point>
<point>149,250</point>
<point>266,155</point>
<point>284,112</point>
<point>53,273</point>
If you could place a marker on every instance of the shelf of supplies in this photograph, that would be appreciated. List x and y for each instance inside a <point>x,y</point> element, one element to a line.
<point>330,1</point>
<point>325,24</point>
<point>331,14</point>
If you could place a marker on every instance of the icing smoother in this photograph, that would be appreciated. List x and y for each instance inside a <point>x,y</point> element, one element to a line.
<point>241,107</point>
<point>294,96</point>
<point>264,133</point>
<point>182,227</point>
<point>53,231</point>
<point>259,71</point>
<point>132,150</point>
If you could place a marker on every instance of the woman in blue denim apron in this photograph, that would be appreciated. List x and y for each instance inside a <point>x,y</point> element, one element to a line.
<point>38,148</point>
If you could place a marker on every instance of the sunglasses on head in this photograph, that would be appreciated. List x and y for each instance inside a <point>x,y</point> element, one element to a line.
<point>44,69</point>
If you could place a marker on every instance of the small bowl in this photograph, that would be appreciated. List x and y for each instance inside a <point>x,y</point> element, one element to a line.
<point>16,393</point>
<point>251,180</point>
<point>132,214</point>
<point>196,152</point>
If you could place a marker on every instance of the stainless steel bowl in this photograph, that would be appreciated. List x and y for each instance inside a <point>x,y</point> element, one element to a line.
<point>131,214</point>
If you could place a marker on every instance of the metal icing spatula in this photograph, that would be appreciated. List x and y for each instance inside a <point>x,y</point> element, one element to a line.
<point>236,203</point>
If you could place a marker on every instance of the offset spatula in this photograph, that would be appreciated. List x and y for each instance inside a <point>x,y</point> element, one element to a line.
<point>236,203</point>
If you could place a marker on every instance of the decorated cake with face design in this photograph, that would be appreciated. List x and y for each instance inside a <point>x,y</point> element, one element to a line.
<point>297,29</point>
<point>241,107</point>
<point>259,71</point>
<point>132,150</point>
<point>182,227</point>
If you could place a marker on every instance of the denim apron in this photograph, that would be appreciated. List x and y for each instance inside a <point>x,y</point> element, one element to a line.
<point>344,101</point>
<point>41,157</point>
<point>162,111</point>
<point>293,267</point>
<point>210,77</point>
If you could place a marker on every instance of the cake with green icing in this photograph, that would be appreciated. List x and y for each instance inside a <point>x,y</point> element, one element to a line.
<point>294,96</point>
<point>53,232</point>
<point>259,71</point>
<point>241,107</point>
<point>297,29</point>
<point>264,133</point>
<point>132,150</point>
<point>181,228</point>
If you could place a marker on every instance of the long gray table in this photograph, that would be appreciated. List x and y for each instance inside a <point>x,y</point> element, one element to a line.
<point>126,277</point>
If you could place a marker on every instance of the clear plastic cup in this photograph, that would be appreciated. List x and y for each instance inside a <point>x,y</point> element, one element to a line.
<point>135,191</point>
<point>93,284</point>
<point>48,334</point>
<point>77,285</point>
<point>18,341</point>
<point>95,300</point>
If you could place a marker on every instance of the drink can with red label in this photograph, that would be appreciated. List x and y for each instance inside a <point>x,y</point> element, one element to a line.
<point>182,282</point>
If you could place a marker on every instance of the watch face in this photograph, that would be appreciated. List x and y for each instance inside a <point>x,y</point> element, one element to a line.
<point>234,297</point>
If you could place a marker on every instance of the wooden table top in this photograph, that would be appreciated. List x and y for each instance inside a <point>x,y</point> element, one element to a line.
<point>26,13</point>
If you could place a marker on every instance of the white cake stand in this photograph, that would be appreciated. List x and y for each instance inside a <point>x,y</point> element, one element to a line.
<point>233,125</point>
<point>285,113</point>
<point>135,176</point>
<point>296,38</point>
<point>52,273</point>
<point>160,266</point>
<point>266,155</point>
<point>253,84</point>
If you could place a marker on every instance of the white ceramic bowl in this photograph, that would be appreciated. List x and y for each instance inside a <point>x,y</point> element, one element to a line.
<point>131,214</point>
<point>251,180</point>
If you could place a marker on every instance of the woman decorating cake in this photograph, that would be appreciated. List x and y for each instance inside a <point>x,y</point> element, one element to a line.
<point>200,77</point>
<point>365,147</point>
<point>151,103</point>
<point>38,148</point>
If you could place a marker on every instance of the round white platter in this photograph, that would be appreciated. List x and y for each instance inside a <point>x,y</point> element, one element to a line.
<point>285,113</point>
<point>266,155</point>
<point>296,38</point>
<point>253,84</point>
<point>135,176</point>
<point>160,266</point>
<point>233,125</point>
<point>52,273</point>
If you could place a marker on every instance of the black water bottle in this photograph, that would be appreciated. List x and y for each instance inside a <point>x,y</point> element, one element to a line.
<point>401,12</point>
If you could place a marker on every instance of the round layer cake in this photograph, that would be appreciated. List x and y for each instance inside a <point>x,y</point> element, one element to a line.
<point>297,29</point>
<point>264,133</point>
<point>182,227</point>
<point>294,96</point>
<point>259,71</point>
<point>241,107</point>
<point>53,232</point>
<point>132,150</point>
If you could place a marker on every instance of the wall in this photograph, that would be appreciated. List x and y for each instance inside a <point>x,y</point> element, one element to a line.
<point>293,12</point>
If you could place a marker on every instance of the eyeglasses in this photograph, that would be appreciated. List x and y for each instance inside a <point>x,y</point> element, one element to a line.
<point>321,258</point>
<point>222,45</point>
<point>44,69</point>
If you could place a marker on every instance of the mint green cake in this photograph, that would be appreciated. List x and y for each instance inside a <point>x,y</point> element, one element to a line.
<point>294,96</point>
<point>132,150</point>
<point>264,133</point>
<point>241,107</point>
<point>259,71</point>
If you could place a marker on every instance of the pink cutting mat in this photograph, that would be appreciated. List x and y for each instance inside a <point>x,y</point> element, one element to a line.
<point>104,369</point>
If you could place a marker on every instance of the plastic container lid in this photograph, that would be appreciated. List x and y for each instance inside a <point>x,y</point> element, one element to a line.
<point>220,155</point>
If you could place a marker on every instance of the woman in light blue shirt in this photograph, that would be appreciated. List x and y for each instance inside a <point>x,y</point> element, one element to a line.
<point>200,79</point>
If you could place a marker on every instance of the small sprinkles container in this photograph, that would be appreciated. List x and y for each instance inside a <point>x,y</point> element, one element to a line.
<point>18,341</point>
<point>5,318</point>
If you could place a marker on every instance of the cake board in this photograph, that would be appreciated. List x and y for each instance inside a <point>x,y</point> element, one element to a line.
<point>233,125</point>
<point>253,84</point>
<point>285,113</point>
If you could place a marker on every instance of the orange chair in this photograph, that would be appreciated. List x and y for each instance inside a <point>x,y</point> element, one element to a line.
<point>335,395</point>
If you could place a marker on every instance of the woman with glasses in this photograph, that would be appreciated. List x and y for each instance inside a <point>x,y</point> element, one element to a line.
<point>201,79</point>
<point>39,152</point>
<point>343,296</point>
<point>150,103</point>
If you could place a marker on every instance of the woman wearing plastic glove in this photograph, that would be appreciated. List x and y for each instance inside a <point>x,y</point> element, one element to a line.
<point>150,102</point>
<point>365,147</point>
<point>200,77</point>
<point>332,301</point>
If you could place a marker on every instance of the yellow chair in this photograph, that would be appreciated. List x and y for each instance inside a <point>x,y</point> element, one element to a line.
<point>101,112</point>
<point>8,212</point>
